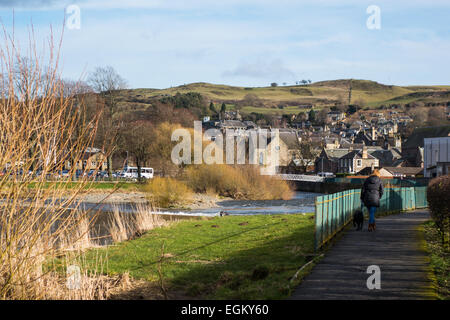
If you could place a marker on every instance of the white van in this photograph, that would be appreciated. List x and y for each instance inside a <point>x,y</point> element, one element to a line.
<point>132,173</point>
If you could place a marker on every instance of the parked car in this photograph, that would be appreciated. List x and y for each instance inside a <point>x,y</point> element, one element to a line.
<point>102,174</point>
<point>132,173</point>
<point>78,173</point>
<point>326,174</point>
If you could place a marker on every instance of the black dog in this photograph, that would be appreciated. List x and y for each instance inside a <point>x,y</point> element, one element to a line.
<point>358,219</point>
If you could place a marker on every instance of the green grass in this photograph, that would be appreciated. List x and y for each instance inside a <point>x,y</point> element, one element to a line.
<point>439,260</point>
<point>100,186</point>
<point>231,261</point>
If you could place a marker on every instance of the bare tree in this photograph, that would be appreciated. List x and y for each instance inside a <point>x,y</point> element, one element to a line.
<point>437,116</point>
<point>161,148</point>
<point>302,116</point>
<point>136,140</point>
<point>322,117</point>
<point>73,88</point>
<point>107,82</point>
<point>307,154</point>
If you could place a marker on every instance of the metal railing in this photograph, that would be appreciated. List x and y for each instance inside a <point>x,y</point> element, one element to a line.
<point>335,211</point>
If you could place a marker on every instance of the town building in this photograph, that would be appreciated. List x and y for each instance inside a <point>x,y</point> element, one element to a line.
<point>436,156</point>
<point>92,159</point>
<point>356,161</point>
<point>412,148</point>
<point>401,172</point>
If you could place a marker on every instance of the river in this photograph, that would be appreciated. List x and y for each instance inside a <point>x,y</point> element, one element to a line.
<point>302,202</point>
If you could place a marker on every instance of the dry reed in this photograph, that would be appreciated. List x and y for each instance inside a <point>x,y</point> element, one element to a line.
<point>42,130</point>
<point>124,226</point>
<point>238,182</point>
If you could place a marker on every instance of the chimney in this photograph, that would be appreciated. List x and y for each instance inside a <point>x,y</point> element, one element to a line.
<point>364,152</point>
<point>374,134</point>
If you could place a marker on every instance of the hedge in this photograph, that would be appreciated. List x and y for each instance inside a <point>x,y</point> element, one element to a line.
<point>438,192</point>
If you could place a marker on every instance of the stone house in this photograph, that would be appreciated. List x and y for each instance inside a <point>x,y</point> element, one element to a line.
<point>92,159</point>
<point>356,161</point>
<point>328,160</point>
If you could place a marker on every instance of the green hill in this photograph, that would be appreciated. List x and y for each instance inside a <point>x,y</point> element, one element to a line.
<point>293,99</point>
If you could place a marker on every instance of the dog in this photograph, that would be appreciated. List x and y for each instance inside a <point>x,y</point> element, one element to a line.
<point>358,220</point>
<point>223,213</point>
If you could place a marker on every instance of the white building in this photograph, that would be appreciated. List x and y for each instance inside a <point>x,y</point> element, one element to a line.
<point>436,156</point>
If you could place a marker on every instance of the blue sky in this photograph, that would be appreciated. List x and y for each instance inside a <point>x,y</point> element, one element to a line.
<point>163,43</point>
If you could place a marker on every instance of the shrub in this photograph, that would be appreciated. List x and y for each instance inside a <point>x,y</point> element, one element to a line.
<point>243,182</point>
<point>437,192</point>
<point>167,192</point>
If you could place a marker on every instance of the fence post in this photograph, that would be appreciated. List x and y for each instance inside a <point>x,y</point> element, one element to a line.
<point>318,224</point>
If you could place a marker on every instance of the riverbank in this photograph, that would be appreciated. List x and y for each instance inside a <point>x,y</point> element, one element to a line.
<point>197,201</point>
<point>203,205</point>
<point>234,257</point>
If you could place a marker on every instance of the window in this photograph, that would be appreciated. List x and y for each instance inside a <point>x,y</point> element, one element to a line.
<point>359,163</point>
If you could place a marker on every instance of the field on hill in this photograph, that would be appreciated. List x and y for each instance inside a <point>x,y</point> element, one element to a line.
<point>294,99</point>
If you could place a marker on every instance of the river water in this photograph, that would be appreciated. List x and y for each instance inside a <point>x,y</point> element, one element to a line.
<point>302,202</point>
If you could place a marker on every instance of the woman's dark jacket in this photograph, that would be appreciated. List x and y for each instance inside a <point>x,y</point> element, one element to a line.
<point>372,191</point>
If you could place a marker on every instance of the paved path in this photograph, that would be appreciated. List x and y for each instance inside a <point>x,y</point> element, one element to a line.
<point>395,247</point>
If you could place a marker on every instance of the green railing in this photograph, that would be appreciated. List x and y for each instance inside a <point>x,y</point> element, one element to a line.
<point>335,211</point>
<point>396,182</point>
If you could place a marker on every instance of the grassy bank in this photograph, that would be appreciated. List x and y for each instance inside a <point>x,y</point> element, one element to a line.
<point>240,182</point>
<point>92,186</point>
<point>440,260</point>
<point>243,183</point>
<point>234,257</point>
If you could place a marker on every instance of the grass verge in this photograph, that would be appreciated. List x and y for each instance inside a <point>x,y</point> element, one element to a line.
<point>233,257</point>
<point>439,259</point>
<point>94,186</point>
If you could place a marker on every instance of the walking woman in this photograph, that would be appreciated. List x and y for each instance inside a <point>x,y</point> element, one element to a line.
<point>371,193</point>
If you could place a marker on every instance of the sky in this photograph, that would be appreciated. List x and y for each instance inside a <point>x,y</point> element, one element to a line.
<point>165,43</point>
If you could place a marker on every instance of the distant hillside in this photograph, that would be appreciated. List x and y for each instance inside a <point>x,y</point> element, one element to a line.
<point>293,99</point>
